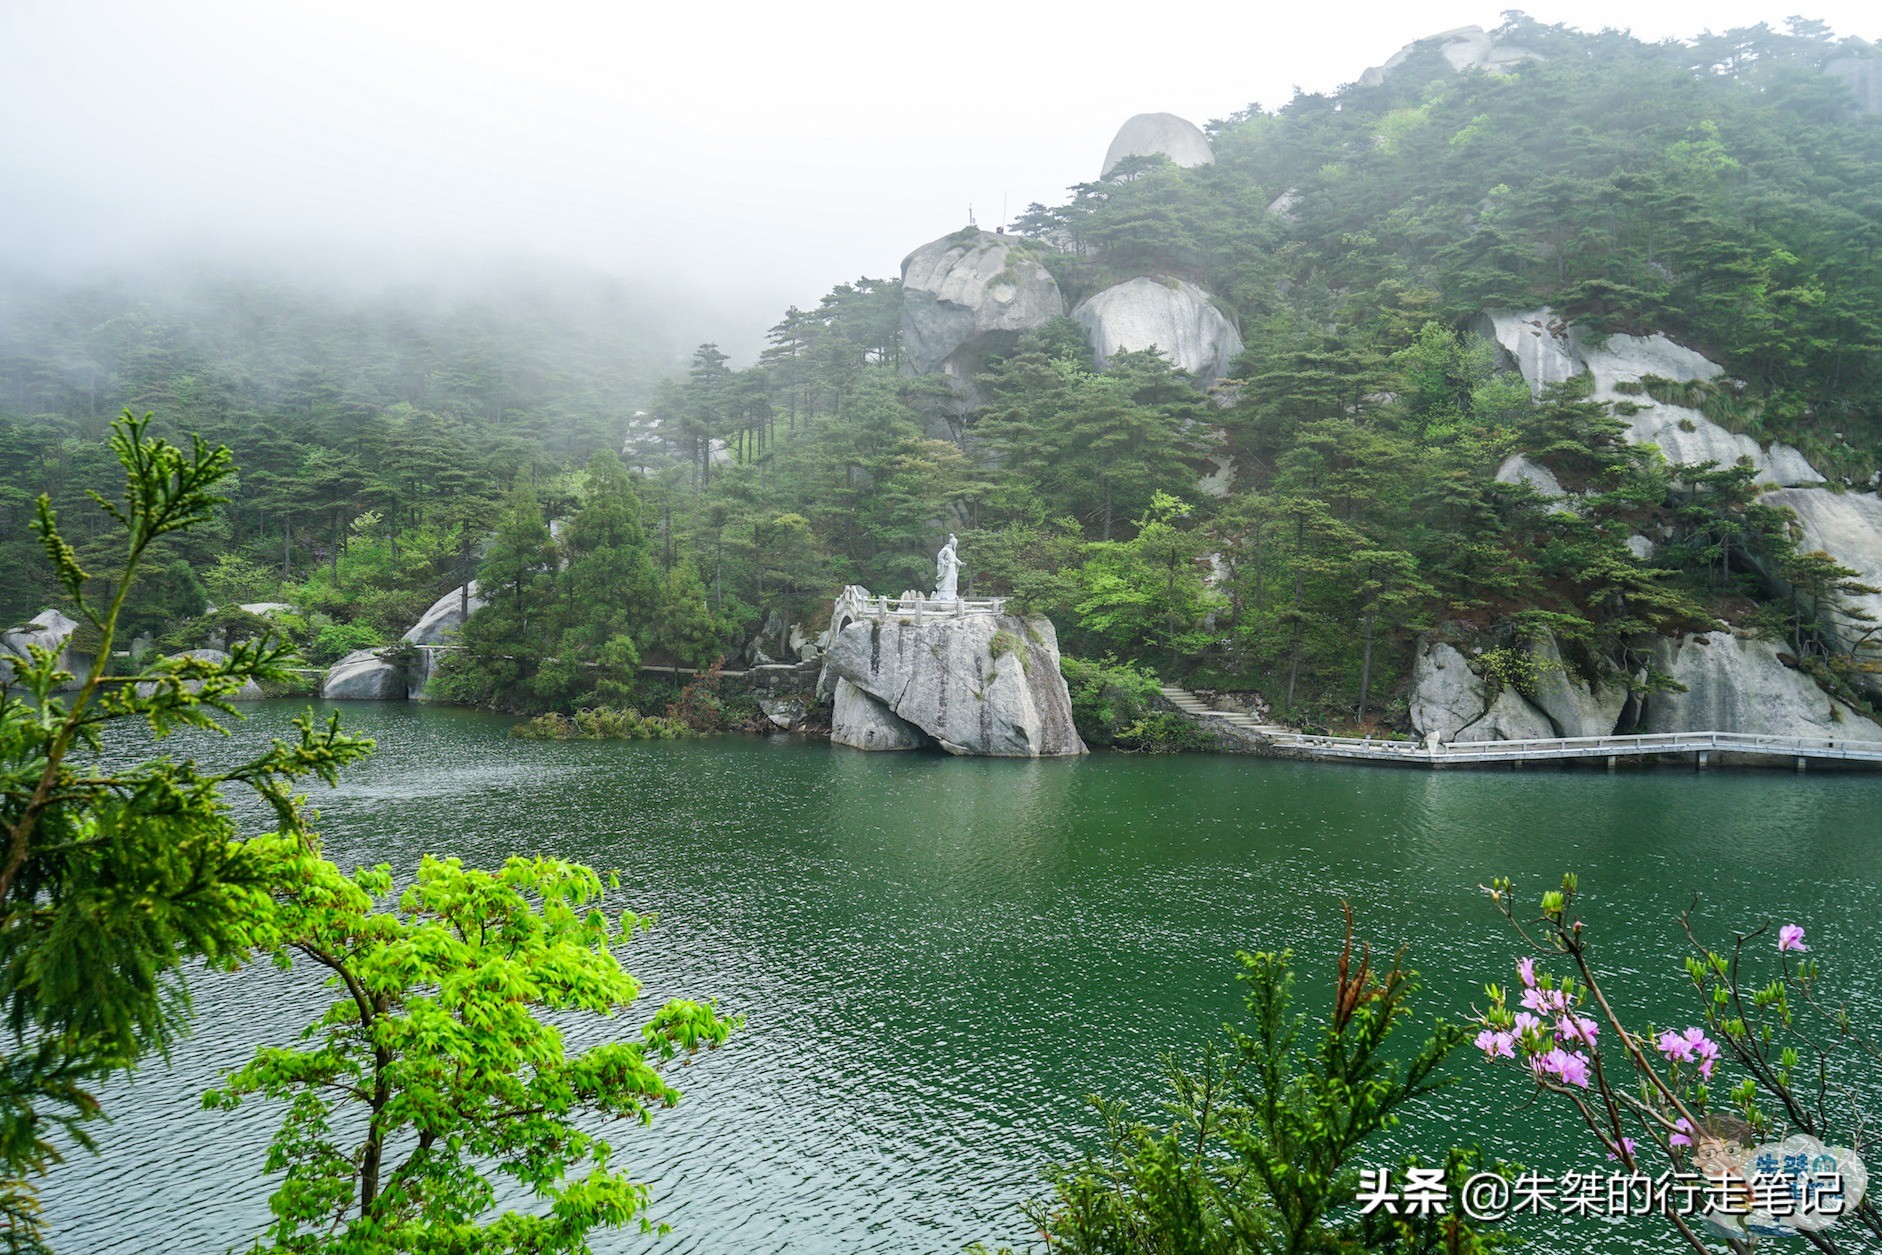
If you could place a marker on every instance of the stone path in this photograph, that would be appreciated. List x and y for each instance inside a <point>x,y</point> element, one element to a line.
<point>1190,704</point>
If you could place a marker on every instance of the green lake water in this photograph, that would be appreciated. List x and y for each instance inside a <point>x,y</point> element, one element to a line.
<point>940,957</point>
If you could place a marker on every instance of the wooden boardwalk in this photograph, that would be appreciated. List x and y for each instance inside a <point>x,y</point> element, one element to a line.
<point>1702,747</point>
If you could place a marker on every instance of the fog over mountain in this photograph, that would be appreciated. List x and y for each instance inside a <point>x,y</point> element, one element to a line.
<point>744,156</point>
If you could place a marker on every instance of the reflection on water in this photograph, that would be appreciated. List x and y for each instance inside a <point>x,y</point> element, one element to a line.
<point>939,958</point>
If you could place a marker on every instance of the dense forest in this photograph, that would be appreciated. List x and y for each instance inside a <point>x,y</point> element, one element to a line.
<point>1723,191</point>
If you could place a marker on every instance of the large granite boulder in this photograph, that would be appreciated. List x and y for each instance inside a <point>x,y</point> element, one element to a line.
<point>861,722</point>
<point>1517,469</point>
<point>1573,706</point>
<point>1548,351</point>
<point>1451,703</point>
<point>441,623</point>
<point>968,293</point>
<point>364,676</point>
<point>1739,684</point>
<point>972,683</point>
<point>1465,48</point>
<point>1848,527</point>
<point>1158,135</point>
<point>1172,315</point>
<point>50,630</point>
<point>249,692</point>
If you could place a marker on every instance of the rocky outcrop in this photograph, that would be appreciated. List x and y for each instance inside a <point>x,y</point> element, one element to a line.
<point>862,722</point>
<point>1548,351</point>
<point>363,676</point>
<point>972,683</point>
<point>249,692</point>
<point>441,623</point>
<point>1848,527</point>
<point>1172,315</point>
<point>50,630</point>
<point>968,293</point>
<point>1452,703</point>
<point>1158,134</point>
<point>1573,706</point>
<point>1738,684</point>
<point>1517,469</point>
<point>1465,48</point>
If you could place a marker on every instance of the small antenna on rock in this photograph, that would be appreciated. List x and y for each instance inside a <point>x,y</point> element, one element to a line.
<point>970,215</point>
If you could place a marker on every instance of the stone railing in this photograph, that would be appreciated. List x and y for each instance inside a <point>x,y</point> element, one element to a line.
<point>856,603</point>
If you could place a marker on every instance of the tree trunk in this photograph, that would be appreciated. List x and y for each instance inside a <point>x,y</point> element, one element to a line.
<point>1365,668</point>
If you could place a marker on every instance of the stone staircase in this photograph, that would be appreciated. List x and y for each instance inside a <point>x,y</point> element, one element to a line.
<point>1190,704</point>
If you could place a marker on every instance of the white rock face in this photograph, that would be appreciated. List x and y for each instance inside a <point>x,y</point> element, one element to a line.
<point>1736,684</point>
<point>974,683</point>
<point>1848,527</point>
<point>1547,351</point>
<point>1172,315</point>
<point>965,292</point>
<point>1572,706</point>
<point>1537,343</point>
<point>1517,469</point>
<point>1452,704</point>
<point>861,722</point>
<point>441,623</point>
<point>1446,694</point>
<point>1154,134</point>
<point>50,630</point>
<point>364,677</point>
<point>266,608</point>
<point>1466,48</point>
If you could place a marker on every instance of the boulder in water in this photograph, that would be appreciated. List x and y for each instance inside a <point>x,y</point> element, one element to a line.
<point>441,623</point>
<point>364,676</point>
<point>974,683</point>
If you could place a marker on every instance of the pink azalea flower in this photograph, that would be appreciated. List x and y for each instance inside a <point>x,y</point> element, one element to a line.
<point>1627,1145</point>
<point>1675,1046</point>
<point>1571,1066</point>
<point>1708,1056</point>
<point>1545,1001</point>
<point>1495,1044</point>
<point>1791,937</point>
<point>1525,1023</point>
<point>1526,968</point>
<point>1577,1028</point>
<point>1684,1136</point>
<point>1690,1046</point>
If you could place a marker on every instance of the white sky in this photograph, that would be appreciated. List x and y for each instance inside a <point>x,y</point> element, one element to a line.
<point>753,153</point>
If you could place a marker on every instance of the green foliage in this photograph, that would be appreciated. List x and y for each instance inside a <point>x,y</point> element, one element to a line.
<point>602,723</point>
<point>115,877</point>
<point>436,1066</point>
<point>1108,697</point>
<point>1261,1148</point>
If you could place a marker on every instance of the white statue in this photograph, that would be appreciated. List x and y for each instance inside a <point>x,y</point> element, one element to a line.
<point>947,572</point>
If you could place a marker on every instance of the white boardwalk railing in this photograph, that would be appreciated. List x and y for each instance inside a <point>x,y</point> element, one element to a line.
<point>1543,749</point>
